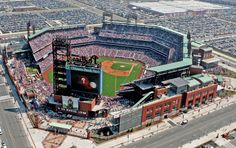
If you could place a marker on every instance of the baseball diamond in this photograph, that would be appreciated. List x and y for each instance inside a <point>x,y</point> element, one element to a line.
<point>116,71</point>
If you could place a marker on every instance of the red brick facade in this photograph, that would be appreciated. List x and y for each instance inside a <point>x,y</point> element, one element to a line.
<point>159,109</point>
<point>199,95</point>
<point>87,106</point>
<point>206,54</point>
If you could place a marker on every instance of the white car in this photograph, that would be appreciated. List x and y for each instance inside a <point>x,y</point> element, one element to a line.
<point>184,122</point>
<point>0,131</point>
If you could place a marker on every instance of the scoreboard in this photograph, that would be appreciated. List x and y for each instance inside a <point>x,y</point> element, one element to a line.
<point>84,79</point>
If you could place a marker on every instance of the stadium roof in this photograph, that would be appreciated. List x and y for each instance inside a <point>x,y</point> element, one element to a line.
<point>168,67</point>
<point>55,28</point>
<point>60,125</point>
<point>143,25</point>
<point>203,78</point>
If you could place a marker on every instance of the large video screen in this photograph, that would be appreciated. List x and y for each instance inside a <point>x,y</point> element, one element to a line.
<point>85,82</point>
<point>70,103</point>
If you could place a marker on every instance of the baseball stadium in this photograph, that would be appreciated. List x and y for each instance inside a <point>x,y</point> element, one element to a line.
<point>114,69</point>
<point>124,56</point>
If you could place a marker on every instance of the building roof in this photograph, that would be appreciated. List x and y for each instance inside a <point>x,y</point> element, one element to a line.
<point>176,65</point>
<point>178,82</point>
<point>219,78</point>
<point>203,78</point>
<point>60,125</point>
<point>207,49</point>
<point>166,7</point>
<point>196,44</point>
<point>192,82</point>
<point>211,60</point>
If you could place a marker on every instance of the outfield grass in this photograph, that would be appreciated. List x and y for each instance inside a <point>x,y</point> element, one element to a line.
<point>112,83</point>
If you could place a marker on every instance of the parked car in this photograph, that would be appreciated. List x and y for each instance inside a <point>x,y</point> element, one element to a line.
<point>184,122</point>
<point>0,131</point>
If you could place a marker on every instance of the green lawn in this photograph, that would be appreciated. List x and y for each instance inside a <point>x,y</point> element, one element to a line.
<point>32,70</point>
<point>50,76</point>
<point>112,83</point>
<point>121,66</point>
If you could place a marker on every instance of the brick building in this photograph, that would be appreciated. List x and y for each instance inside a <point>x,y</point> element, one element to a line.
<point>201,88</point>
<point>158,109</point>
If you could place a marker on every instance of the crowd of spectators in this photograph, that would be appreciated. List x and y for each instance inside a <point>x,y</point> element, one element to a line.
<point>44,39</point>
<point>24,81</point>
<point>41,45</point>
<point>112,51</point>
<point>45,63</point>
<point>116,103</point>
<point>149,45</point>
<point>156,39</point>
<point>130,36</point>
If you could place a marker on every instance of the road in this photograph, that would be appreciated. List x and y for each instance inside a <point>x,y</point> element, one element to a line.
<point>14,134</point>
<point>196,128</point>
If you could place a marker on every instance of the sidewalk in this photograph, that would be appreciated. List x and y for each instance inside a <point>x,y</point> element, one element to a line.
<point>205,109</point>
<point>26,125</point>
<point>138,135</point>
<point>149,131</point>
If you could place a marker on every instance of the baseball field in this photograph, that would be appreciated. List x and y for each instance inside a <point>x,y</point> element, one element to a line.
<point>116,71</point>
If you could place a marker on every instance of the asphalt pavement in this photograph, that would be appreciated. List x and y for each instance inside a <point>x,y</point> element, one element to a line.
<point>13,132</point>
<point>14,135</point>
<point>195,129</point>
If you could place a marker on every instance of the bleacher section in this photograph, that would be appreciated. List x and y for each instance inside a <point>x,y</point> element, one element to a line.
<point>148,44</point>
<point>41,43</point>
<point>155,38</point>
<point>121,52</point>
